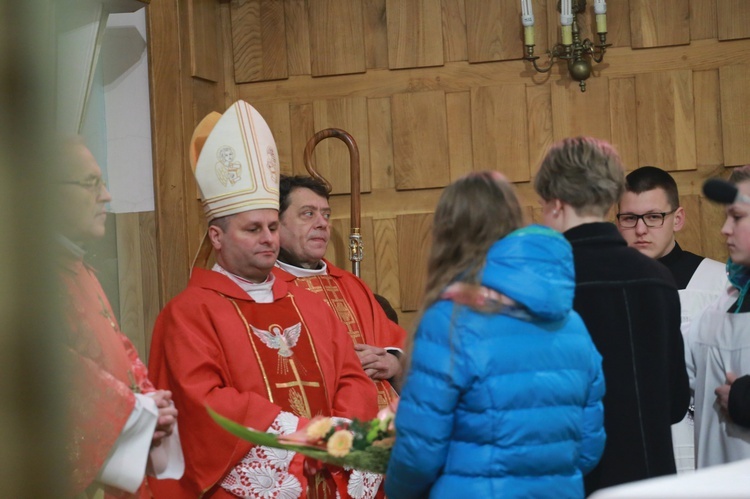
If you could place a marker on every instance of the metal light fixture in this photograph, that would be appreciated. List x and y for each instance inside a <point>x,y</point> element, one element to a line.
<point>579,54</point>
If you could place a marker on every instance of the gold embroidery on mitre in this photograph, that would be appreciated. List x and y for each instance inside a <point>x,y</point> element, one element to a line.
<point>272,163</point>
<point>228,170</point>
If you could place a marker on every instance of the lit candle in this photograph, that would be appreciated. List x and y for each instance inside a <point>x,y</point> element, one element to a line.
<point>600,8</point>
<point>566,20</point>
<point>527,19</point>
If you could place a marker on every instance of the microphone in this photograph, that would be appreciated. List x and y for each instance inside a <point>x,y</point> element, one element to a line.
<point>723,192</point>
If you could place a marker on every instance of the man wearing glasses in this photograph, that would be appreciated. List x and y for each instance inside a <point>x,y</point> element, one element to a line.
<point>120,425</point>
<point>650,214</point>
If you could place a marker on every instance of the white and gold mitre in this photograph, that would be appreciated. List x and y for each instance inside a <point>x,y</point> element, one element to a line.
<point>235,162</point>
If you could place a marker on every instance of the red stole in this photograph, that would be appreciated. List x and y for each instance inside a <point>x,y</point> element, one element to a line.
<point>286,354</point>
<point>328,288</point>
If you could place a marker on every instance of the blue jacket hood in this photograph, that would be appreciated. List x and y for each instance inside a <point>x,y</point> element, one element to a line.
<point>533,266</point>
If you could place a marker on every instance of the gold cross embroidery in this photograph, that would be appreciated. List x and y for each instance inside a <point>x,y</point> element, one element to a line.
<point>301,384</point>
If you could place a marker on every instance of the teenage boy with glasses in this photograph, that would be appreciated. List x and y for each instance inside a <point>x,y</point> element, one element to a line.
<point>650,214</point>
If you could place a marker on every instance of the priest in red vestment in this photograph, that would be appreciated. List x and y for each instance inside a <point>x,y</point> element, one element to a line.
<point>304,214</point>
<point>249,346</point>
<point>120,424</point>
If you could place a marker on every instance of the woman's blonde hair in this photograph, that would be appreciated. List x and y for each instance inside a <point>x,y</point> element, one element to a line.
<point>584,172</point>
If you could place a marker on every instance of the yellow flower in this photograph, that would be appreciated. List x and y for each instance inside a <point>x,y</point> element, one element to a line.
<point>340,443</point>
<point>318,429</point>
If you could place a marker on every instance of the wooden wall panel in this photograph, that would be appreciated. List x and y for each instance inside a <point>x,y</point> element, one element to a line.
<point>733,19</point>
<point>415,33</point>
<point>666,120</point>
<point>708,150</point>
<point>618,23</point>
<point>494,31</point>
<point>703,23</point>
<point>297,37</point>
<point>735,109</point>
<point>331,155</point>
<point>689,237</point>
<point>337,44</point>
<point>381,143</point>
<point>278,118</point>
<point>659,24</point>
<point>420,140</point>
<point>204,38</point>
<point>623,120</point>
<point>500,132</point>
<point>302,128</point>
<point>458,108</point>
<point>454,30</point>
<point>385,253</point>
<point>581,113</point>
<point>713,242</point>
<point>259,40</point>
<point>376,34</point>
<point>414,243</point>
<point>539,106</point>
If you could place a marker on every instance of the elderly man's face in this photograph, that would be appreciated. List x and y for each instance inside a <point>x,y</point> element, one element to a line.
<point>305,227</point>
<point>82,196</point>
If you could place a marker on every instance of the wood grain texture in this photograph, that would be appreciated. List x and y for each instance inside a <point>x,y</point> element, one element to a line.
<point>297,37</point>
<point>169,148</point>
<point>707,98</point>
<point>577,113</point>
<point>623,118</point>
<point>689,237</point>
<point>733,18</point>
<point>461,157</point>
<point>386,260</point>
<point>302,126</point>
<point>415,33</point>
<point>500,139</point>
<point>659,24</point>
<point>259,40</point>
<point>149,281</point>
<point>381,143</point>
<point>735,109</point>
<point>461,76</point>
<point>494,30</point>
<point>331,155</point>
<point>454,30</point>
<point>618,24</point>
<point>420,140</point>
<point>130,286</point>
<point>539,106</point>
<point>204,39</point>
<point>376,34</point>
<point>337,44</point>
<point>703,19</point>
<point>713,242</point>
<point>414,234</point>
<point>666,120</point>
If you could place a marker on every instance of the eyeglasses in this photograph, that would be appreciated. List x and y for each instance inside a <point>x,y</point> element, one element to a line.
<point>93,184</point>
<point>630,220</point>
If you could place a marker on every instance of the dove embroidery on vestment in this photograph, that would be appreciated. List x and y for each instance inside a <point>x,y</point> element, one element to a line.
<point>279,339</point>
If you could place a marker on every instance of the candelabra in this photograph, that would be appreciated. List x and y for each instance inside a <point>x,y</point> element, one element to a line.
<point>579,54</point>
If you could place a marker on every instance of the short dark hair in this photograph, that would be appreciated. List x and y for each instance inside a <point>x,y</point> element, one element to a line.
<point>648,178</point>
<point>290,182</point>
<point>740,174</point>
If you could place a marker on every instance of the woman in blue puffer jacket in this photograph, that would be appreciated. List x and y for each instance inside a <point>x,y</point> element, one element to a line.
<point>503,395</point>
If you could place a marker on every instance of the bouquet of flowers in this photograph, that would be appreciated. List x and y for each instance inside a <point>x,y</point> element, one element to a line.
<point>362,445</point>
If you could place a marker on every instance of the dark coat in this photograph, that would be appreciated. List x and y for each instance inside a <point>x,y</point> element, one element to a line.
<point>631,308</point>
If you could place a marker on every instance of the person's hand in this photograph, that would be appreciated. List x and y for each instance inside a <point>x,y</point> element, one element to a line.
<point>722,392</point>
<point>377,362</point>
<point>167,416</point>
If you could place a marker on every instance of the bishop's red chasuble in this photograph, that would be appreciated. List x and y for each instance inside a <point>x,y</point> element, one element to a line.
<point>356,307</point>
<point>214,346</point>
